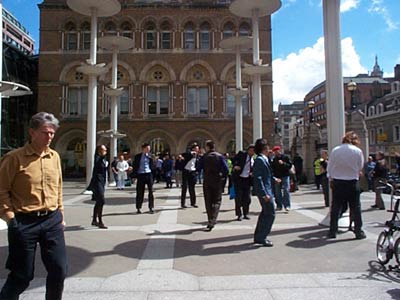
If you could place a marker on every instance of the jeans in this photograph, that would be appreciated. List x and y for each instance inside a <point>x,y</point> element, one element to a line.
<point>282,193</point>
<point>24,233</point>
<point>265,220</point>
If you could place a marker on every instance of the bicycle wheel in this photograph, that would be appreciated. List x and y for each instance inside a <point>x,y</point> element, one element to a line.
<point>397,250</point>
<point>383,247</point>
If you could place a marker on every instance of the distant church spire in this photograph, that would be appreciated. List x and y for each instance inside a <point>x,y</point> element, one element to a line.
<point>377,72</point>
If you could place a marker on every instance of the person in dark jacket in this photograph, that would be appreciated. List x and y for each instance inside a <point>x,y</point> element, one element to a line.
<point>281,165</point>
<point>215,170</point>
<point>380,175</point>
<point>167,168</point>
<point>97,185</point>
<point>189,175</point>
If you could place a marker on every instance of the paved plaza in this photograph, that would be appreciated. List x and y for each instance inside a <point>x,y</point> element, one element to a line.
<point>168,255</point>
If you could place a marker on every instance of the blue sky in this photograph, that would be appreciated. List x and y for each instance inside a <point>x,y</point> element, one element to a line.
<point>368,28</point>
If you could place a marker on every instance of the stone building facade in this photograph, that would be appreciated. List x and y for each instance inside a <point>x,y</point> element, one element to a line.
<point>175,78</point>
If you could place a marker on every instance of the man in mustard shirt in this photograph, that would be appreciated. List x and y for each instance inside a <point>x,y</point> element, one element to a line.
<point>31,204</point>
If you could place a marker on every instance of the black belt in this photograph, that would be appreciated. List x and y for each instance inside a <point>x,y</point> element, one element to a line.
<point>37,214</point>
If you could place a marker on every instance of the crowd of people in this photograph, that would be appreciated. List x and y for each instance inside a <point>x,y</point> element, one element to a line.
<point>31,191</point>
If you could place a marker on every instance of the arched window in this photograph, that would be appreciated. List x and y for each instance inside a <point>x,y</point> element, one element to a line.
<point>205,36</point>
<point>371,111</point>
<point>110,28</point>
<point>150,36</point>
<point>71,36</point>
<point>379,109</point>
<point>189,36</point>
<point>166,35</point>
<point>124,102</point>
<point>228,30</point>
<point>158,91</point>
<point>159,145</point>
<point>126,29</point>
<point>244,29</point>
<point>85,35</point>
<point>198,92</point>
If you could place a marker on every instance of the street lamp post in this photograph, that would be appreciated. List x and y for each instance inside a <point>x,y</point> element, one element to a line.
<point>310,105</point>
<point>352,87</point>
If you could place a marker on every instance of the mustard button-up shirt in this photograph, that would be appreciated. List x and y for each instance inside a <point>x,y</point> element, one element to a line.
<point>30,182</point>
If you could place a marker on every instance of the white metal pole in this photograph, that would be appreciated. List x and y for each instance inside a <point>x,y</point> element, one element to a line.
<point>257,106</point>
<point>238,100</point>
<point>114,106</point>
<point>333,71</point>
<point>92,101</point>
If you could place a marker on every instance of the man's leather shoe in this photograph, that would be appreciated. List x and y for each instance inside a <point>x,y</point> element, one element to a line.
<point>195,206</point>
<point>151,211</point>
<point>360,235</point>
<point>209,227</point>
<point>183,206</point>
<point>331,235</point>
<point>246,218</point>
<point>102,226</point>
<point>138,211</point>
<point>266,243</point>
<point>239,218</point>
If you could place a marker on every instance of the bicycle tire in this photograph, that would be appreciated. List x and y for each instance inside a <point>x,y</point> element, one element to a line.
<point>397,250</point>
<point>384,252</point>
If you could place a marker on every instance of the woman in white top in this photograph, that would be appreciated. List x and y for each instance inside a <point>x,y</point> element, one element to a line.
<point>122,167</point>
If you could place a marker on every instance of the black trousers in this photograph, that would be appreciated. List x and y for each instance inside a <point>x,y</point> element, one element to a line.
<point>346,192</point>
<point>24,233</point>
<point>142,181</point>
<point>212,198</point>
<point>243,198</point>
<point>188,182</point>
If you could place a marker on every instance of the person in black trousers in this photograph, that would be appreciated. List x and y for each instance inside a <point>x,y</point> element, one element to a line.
<point>189,175</point>
<point>97,185</point>
<point>215,171</point>
<point>242,181</point>
<point>143,167</point>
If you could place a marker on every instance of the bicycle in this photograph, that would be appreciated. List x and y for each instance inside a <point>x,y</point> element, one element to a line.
<point>386,246</point>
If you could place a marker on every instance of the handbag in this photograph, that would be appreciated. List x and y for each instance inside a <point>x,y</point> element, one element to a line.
<point>232,192</point>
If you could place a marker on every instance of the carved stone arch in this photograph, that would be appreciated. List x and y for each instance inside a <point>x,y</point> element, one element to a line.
<point>156,133</point>
<point>166,19</point>
<point>66,137</point>
<point>209,21</point>
<point>225,71</point>
<point>83,24</point>
<point>204,64</point>
<point>66,71</point>
<point>126,70</point>
<point>226,20</point>
<point>229,135</point>
<point>189,19</point>
<point>104,22</point>
<point>128,19</point>
<point>146,20</point>
<point>193,134</point>
<point>69,20</point>
<point>228,74</point>
<point>165,65</point>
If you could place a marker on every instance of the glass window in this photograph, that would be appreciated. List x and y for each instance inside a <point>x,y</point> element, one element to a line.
<point>158,100</point>
<point>166,36</point>
<point>124,102</point>
<point>231,105</point>
<point>396,133</point>
<point>85,35</point>
<point>205,36</point>
<point>244,29</point>
<point>189,40</point>
<point>77,101</point>
<point>150,36</point>
<point>126,30</point>
<point>228,30</point>
<point>110,28</point>
<point>71,36</point>
<point>197,101</point>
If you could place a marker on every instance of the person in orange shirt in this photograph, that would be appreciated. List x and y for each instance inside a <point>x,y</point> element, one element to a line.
<point>31,204</point>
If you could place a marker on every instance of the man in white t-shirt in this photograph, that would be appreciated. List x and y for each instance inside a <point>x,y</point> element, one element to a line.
<point>345,164</point>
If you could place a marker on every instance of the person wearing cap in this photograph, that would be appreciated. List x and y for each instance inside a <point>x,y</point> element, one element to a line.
<point>31,203</point>
<point>242,181</point>
<point>281,165</point>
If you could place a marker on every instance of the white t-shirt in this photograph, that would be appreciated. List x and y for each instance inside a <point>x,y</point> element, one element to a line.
<point>345,162</point>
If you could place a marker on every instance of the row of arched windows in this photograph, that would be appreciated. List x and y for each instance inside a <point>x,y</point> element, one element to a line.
<point>154,35</point>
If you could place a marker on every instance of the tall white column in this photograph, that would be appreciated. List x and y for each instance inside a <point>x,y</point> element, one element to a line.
<point>114,105</point>
<point>333,71</point>
<point>92,101</point>
<point>257,106</point>
<point>239,107</point>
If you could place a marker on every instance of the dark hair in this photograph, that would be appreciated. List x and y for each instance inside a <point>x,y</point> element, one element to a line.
<point>98,148</point>
<point>251,146</point>
<point>260,145</point>
<point>144,145</point>
<point>194,145</point>
<point>210,144</point>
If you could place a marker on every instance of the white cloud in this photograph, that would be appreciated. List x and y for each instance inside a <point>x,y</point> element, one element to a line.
<point>295,75</point>
<point>347,5</point>
<point>378,7</point>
